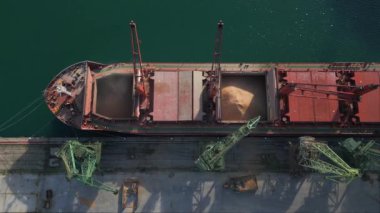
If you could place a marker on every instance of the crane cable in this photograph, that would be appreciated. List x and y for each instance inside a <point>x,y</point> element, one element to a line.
<point>15,119</point>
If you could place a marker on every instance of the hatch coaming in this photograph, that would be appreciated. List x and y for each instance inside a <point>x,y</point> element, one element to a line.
<point>108,94</point>
<point>244,95</point>
<point>113,96</point>
<point>177,95</point>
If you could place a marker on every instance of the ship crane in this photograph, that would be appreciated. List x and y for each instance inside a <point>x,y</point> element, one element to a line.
<point>142,79</point>
<point>212,158</point>
<point>136,53</point>
<point>213,76</point>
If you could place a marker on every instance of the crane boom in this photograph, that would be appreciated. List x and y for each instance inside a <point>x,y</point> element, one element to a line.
<point>325,168</point>
<point>328,152</point>
<point>136,53</point>
<point>349,93</point>
<point>213,77</point>
<point>142,80</point>
<point>213,156</point>
<point>310,156</point>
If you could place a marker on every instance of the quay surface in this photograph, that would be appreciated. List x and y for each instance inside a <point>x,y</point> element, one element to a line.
<point>169,181</point>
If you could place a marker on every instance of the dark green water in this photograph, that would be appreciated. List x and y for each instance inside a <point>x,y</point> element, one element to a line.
<point>39,38</point>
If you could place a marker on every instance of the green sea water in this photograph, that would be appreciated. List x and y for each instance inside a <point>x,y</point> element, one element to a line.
<point>39,38</point>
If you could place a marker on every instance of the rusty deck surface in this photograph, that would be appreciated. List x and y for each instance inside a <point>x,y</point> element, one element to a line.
<point>369,106</point>
<point>305,109</point>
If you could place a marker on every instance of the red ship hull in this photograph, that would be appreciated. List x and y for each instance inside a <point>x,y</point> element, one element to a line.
<point>292,98</point>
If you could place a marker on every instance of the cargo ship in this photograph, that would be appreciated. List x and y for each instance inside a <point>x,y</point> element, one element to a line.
<point>340,98</point>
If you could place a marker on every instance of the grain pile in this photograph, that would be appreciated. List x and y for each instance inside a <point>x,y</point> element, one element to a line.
<point>243,97</point>
<point>235,103</point>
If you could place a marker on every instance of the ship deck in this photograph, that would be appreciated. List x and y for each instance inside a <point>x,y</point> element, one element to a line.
<point>178,105</point>
<point>244,87</point>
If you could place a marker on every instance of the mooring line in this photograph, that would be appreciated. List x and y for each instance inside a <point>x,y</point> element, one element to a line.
<point>21,111</point>
<point>2,128</point>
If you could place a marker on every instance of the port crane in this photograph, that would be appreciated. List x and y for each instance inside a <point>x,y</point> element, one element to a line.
<point>364,155</point>
<point>212,158</point>
<point>81,161</point>
<point>320,157</point>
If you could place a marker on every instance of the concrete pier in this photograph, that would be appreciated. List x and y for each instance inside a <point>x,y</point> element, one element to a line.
<point>190,192</point>
<point>169,180</point>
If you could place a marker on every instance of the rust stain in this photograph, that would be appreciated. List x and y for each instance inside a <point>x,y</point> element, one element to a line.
<point>161,87</point>
<point>87,202</point>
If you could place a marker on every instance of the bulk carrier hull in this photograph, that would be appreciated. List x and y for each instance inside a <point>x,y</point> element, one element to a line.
<point>177,99</point>
<point>215,98</point>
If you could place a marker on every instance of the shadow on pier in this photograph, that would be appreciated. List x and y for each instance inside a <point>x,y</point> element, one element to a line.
<point>169,181</point>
